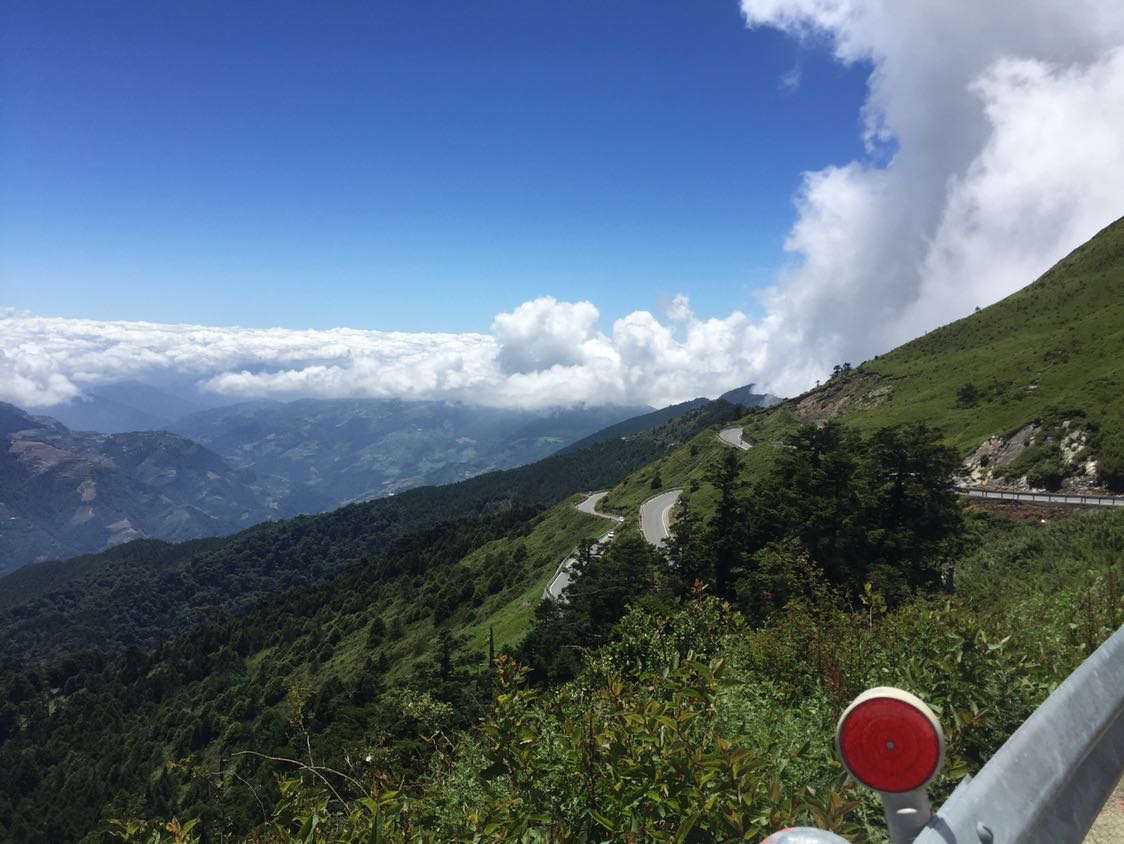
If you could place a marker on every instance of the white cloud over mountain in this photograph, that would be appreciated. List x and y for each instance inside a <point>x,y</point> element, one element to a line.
<point>544,353</point>
<point>993,133</point>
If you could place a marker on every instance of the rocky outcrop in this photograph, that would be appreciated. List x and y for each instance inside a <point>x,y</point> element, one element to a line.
<point>1038,456</point>
<point>858,391</point>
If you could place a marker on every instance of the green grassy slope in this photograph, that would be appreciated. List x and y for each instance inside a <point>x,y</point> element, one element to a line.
<point>1055,347</point>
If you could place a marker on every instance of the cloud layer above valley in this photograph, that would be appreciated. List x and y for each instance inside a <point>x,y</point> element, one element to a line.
<point>544,353</point>
<point>993,135</point>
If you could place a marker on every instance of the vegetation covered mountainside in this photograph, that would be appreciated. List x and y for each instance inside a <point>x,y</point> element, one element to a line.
<point>144,592</point>
<point>66,492</point>
<point>403,681</point>
<point>743,396</point>
<point>1043,368</point>
<point>381,675</point>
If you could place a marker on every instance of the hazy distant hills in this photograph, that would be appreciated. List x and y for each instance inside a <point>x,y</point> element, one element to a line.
<point>127,406</point>
<point>742,396</point>
<point>64,492</point>
<point>353,449</point>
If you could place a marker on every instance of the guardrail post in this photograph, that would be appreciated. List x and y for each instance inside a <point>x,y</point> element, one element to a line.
<point>1045,785</point>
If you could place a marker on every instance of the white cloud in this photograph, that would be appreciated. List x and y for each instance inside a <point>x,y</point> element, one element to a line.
<point>993,131</point>
<point>678,310</point>
<point>30,378</point>
<point>544,353</point>
<point>790,80</point>
<point>544,333</point>
<point>1004,122</point>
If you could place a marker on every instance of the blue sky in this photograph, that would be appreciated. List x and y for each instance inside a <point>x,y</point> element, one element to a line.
<point>408,166</point>
<point>548,203</point>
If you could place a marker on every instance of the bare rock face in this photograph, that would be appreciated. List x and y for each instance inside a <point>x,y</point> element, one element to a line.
<point>985,466</point>
<point>858,391</point>
<point>1076,456</point>
<point>997,452</point>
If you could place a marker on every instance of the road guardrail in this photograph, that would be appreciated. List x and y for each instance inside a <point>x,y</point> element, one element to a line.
<point>1045,785</point>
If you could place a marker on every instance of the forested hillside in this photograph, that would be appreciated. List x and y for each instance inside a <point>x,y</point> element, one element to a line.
<point>389,672</point>
<point>734,653</point>
<point>144,592</point>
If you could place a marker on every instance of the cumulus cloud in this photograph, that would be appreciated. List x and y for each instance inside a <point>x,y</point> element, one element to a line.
<point>544,333</point>
<point>544,353</point>
<point>679,310</point>
<point>993,132</point>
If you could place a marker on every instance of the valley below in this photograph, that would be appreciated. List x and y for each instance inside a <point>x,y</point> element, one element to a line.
<point>507,652</point>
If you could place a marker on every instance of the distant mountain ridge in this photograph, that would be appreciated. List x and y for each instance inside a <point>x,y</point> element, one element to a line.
<point>127,406</point>
<point>746,397</point>
<point>64,492</point>
<point>68,492</point>
<point>357,449</point>
<point>741,396</point>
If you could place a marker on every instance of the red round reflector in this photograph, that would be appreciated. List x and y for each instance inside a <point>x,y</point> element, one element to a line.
<point>890,741</point>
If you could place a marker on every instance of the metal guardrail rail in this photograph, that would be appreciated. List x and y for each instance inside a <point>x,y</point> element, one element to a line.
<point>1048,782</point>
<point>1045,785</point>
<point>977,492</point>
<point>1045,497</point>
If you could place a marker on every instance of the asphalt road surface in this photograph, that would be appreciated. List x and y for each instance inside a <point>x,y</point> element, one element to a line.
<point>733,436</point>
<point>565,573</point>
<point>654,516</point>
<point>590,505</point>
<point>1108,828</point>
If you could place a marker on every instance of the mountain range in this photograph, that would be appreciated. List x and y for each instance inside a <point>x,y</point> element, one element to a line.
<point>354,449</point>
<point>381,636</point>
<point>66,492</point>
<point>220,470</point>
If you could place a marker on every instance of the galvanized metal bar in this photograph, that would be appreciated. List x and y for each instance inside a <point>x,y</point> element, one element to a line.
<point>1047,783</point>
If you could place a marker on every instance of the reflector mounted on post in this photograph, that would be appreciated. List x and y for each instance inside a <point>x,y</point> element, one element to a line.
<point>890,741</point>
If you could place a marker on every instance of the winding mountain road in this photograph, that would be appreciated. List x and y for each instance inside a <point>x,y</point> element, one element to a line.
<point>654,516</point>
<point>733,436</point>
<point>589,505</point>
<point>564,575</point>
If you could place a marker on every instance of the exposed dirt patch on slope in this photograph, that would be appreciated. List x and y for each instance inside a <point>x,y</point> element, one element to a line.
<point>859,391</point>
<point>40,457</point>
<point>1024,511</point>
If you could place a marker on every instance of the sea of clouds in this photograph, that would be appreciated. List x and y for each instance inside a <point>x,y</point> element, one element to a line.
<point>544,353</point>
<point>993,134</point>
